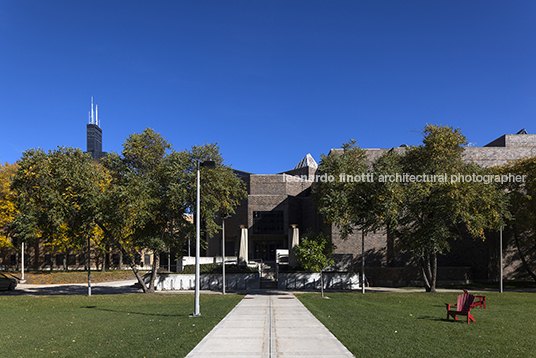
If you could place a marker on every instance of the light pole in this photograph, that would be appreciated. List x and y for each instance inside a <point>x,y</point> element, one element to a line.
<point>223,251</point>
<point>206,164</point>
<point>501,259</point>
<point>22,279</point>
<point>363,260</point>
<point>88,262</point>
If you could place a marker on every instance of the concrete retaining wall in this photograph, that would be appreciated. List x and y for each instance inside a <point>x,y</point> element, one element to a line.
<point>169,282</point>
<point>301,281</point>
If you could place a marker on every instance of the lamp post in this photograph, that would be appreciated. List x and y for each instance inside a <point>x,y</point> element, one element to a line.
<point>88,262</point>
<point>223,251</point>
<point>206,164</point>
<point>501,259</point>
<point>363,261</point>
<point>22,279</point>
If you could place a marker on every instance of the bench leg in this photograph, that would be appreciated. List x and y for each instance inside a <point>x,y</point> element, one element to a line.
<point>470,317</point>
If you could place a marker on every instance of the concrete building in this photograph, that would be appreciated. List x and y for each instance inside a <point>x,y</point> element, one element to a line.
<point>279,207</point>
<point>278,210</point>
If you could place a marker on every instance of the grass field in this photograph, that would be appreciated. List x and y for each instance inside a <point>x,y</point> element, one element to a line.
<point>415,325</point>
<point>60,277</point>
<point>133,325</point>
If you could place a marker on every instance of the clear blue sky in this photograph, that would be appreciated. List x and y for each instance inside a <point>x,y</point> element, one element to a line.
<point>270,81</point>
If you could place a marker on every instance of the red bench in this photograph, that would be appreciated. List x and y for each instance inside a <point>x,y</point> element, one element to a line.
<point>481,300</point>
<point>463,307</point>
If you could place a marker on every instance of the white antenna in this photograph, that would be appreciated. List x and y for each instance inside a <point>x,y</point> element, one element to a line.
<point>94,115</point>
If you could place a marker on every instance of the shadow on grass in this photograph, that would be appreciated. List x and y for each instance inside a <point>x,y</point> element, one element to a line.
<point>75,289</point>
<point>438,319</point>
<point>137,313</point>
<point>434,318</point>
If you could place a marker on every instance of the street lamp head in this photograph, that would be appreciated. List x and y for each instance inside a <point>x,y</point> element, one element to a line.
<point>209,164</point>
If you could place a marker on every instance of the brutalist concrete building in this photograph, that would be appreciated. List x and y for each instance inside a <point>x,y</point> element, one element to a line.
<point>279,210</point>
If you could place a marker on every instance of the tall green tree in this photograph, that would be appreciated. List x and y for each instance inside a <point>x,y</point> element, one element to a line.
<point>521,227</point>
<point>315,253</point>
<point>154,190</point>
<point>343,194</point>
<point>439,208</point>
<point>412,196</point>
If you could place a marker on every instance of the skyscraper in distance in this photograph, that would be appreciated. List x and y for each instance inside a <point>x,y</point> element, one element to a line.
<point>94,133</point>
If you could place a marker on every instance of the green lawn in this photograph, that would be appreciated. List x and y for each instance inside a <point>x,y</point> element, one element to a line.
<point>133,325</point>
<point>415,325</point>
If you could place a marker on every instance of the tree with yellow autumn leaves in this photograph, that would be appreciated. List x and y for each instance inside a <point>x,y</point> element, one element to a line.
<point>137,200</point>
<point>7,203</point>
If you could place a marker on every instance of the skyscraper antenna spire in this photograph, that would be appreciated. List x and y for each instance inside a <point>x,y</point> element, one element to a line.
<point>94,114</point>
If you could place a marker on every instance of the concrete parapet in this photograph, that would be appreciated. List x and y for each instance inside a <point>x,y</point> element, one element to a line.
<point>332,280</point>
<point>171,282</point>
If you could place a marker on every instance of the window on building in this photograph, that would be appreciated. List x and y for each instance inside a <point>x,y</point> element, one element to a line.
<point>115,259</point>
<point>59,260</point>
<point>82,259</point>
<point>71,260</point>
<point>147,260</point>
<point>48,260</point>
<point>268,222</point>
<point>230,248</point>
<point>13,260</point>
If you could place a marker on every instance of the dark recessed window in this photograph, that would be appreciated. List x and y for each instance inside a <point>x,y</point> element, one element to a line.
<point>59,260</point>
<point>268,222</point>
<point>82,259</point>
<point>71,260</point>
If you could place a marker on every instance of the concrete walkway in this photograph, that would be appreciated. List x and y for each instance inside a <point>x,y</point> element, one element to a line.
<point>268,326</point>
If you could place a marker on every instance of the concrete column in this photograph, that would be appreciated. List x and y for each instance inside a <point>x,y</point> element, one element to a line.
<point>294,240</point>
<point>243,253</point>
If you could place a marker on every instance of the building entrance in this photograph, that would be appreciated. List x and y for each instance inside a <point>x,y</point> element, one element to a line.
<point>265,250</point>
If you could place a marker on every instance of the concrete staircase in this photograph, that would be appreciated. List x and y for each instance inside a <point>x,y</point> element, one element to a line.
<point>268,276</point>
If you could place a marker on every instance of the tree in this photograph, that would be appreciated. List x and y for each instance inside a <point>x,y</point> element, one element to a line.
<point>315,253</point>
<point>57,194</point>
<point>7,203</point>
<point>413,195</point>
<point>153,192</point>
<point>521,227</point>
<point>343,196</point>
<point>440,208</point>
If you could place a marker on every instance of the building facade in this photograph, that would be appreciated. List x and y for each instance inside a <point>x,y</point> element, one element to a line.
<point>280,206</point>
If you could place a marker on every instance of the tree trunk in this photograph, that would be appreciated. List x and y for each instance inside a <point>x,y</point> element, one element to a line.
<point>425,274</point>
<point>156,261</point>
<point>526,265</point>
<point>65,261</point>
<point>429,271</point>
<point>434,271</point>
<point>103,268</point>
<point>322,283</point>
<point>130,262</point>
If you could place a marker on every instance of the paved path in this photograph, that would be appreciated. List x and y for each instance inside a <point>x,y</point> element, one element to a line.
<point>269,326</point>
